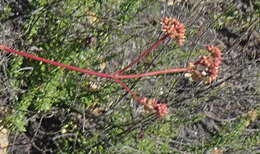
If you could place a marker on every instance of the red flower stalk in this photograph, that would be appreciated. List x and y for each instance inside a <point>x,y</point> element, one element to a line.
<point>206,68</point>
<point>174,29</point>
<point>208,74</point>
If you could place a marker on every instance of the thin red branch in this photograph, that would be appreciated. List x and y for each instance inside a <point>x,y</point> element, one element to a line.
<point>144,54</point>
<point>135,96</point>
<point>24,54</point>
<point>175,70</point>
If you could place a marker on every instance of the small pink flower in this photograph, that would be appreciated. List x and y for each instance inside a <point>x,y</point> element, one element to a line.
<point>174,29</point>
<point>153,105</point>
<point>162,109</point>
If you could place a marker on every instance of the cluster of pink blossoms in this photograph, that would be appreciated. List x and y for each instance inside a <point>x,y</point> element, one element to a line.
<point>153,105</point>
<point>174,29</point>
<point>207,67</point>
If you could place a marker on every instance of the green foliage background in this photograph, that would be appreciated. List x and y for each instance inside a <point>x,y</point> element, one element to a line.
<point>89,33</point>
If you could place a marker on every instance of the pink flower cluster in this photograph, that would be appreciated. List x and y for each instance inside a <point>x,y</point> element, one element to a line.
<point>153,105</point>
<point>217,56</point>
<point>174,29</point>
<point>207,67</point>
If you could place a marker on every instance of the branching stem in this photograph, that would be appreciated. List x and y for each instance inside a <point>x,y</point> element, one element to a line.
<point>90,72</point>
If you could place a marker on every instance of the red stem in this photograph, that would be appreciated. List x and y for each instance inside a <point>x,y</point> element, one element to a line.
<point>89,72</point>
<point>144,54</point>
<point>24,54</point>
<point>175,70</point>
<point>135,96</point>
